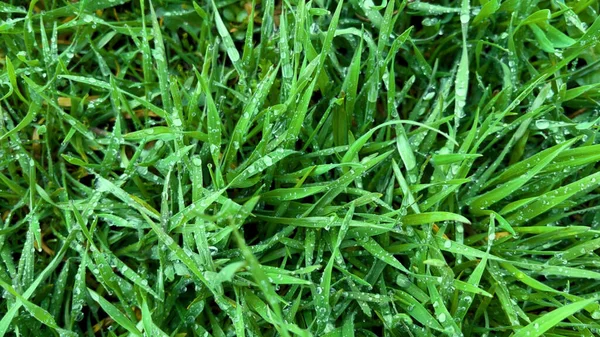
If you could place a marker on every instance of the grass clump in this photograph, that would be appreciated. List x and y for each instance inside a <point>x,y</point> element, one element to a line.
<point>299,168</point>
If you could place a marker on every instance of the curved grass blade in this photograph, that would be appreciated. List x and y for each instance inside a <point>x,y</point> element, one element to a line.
<point>546,322</point>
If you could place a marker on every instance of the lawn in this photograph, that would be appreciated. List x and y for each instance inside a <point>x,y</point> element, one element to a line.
<point>299,168</point>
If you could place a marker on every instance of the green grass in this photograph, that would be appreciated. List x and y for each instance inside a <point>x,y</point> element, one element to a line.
<point>299,168</point>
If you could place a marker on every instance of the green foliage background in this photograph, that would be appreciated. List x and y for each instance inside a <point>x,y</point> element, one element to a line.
<point>283,168</point>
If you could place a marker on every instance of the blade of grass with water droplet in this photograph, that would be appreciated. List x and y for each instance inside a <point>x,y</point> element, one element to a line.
<point>549,200</point>
<point>154,133</point>
<point>540,162</point>
<point>12,77</point>
<point>263,284</point>
<point>160,58</point>
<point>115,313</point>
<point>79,297</point>
<point>404,187</point>
<point>188,262</point>
<point>546,322</point>
<point>322,300</point>
<point>386,27</point>
<point>40,314</point>
<point>34,108</point>
<point>342,183</point>
<point>526,279</point>
<point>350,89</point>
<point>8,8</point>
<point>288,194</point>
<point>238,137</point>
<point>541,38</point>
<point>104,185</point>
<point>133,276</point>
<point>442,314</point>
<point>416,310</point>
<point>450,158</point>
<point>462,74</point>
<point>149,327</point>
<point>58,295</point>
<point>232,51</point>
<point>260,165</point>
<point>378,252</point>
<point>431,217</point>
<point>468,287</point>
<point>568,272</point>
<point>13,310</point>
<point>432,9</point>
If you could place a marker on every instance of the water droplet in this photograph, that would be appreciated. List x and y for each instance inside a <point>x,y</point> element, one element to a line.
<point>428,95</point>
<point>542,124</point>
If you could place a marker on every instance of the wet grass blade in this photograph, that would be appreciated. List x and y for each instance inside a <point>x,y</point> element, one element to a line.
<point>546,322</point>
<point>299,168</point>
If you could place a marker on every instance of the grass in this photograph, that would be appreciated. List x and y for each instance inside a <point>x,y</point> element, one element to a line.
<point>293,168</point>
